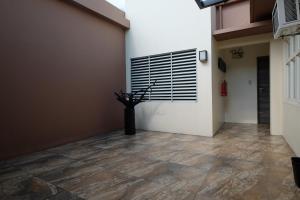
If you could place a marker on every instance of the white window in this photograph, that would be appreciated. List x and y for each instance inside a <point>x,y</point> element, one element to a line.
<point>292,70</point>
<point>174,73</point>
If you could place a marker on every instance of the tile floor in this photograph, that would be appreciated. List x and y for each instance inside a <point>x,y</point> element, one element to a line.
<point>241,162</point>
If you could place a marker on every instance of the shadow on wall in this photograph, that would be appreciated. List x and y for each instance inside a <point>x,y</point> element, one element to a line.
<point>148,114</point>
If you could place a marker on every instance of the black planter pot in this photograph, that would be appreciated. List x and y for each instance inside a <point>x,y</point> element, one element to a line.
<point>296,169</point>
<point>129,117</point>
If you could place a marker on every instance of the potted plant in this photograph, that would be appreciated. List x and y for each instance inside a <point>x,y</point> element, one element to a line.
<point>296,169</point>
<point>130,100</point>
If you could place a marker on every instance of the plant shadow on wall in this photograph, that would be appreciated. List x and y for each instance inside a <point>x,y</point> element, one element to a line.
<point>130,100</point>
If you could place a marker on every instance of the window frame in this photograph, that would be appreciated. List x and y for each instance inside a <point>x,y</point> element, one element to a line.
<point>292,70</point>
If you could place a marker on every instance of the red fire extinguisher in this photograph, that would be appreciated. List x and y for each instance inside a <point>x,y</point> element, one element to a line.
<point>224,89</point>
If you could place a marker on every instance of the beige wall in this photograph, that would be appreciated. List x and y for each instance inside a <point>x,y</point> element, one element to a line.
<point>59,68</point>
<point>276,86</point>
<point>245,41</point>
<point>218,115</point>
<point>291,111</point>
<point>276,73</point>
<point>241,77</point>
<point>217,100</point>
<point>291,126</point>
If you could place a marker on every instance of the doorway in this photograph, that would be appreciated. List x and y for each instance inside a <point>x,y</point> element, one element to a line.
<point>263,90</point>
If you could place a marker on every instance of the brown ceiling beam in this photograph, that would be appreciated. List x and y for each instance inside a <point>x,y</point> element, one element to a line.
<point>242,31</point>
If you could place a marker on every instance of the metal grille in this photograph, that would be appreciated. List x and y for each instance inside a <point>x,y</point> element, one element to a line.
<point>275,19</point>
<point>140,74</point>
<point>160,70</point>
<point>174,73</point>
<point>184,75</point>
<point>290,7</point>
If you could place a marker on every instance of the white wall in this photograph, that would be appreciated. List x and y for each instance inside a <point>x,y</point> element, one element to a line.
<point>291,126</point>
<point>217,78</point>
<point>276,73</point>
<point>241,76</point>
<point>291,113</point>
<point>218,101</point>
<point>276,86</point>
<point>171,25</point>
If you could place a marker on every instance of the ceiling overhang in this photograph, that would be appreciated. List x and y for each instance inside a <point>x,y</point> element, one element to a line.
<point>243,31</point>
<point>261,10</point>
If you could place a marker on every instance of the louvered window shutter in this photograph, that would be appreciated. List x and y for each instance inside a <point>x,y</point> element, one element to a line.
<point>174,73</point>
<point>184,75</point>
<point>140,71</point>
<point>160,70</point>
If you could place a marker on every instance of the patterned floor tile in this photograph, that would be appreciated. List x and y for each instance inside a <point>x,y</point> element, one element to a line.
<point>242,162</point>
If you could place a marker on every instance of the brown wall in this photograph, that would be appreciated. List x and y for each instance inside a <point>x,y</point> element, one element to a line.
<point>105,9</point>
<point>233,14</point>
<point>59,67</point>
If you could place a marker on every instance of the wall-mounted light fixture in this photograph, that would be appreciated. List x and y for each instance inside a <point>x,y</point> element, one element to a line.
<point>203,57</point>
<point>207,3</point>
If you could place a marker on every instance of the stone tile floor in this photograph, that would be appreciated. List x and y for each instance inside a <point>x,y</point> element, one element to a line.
<point>241,162</point>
